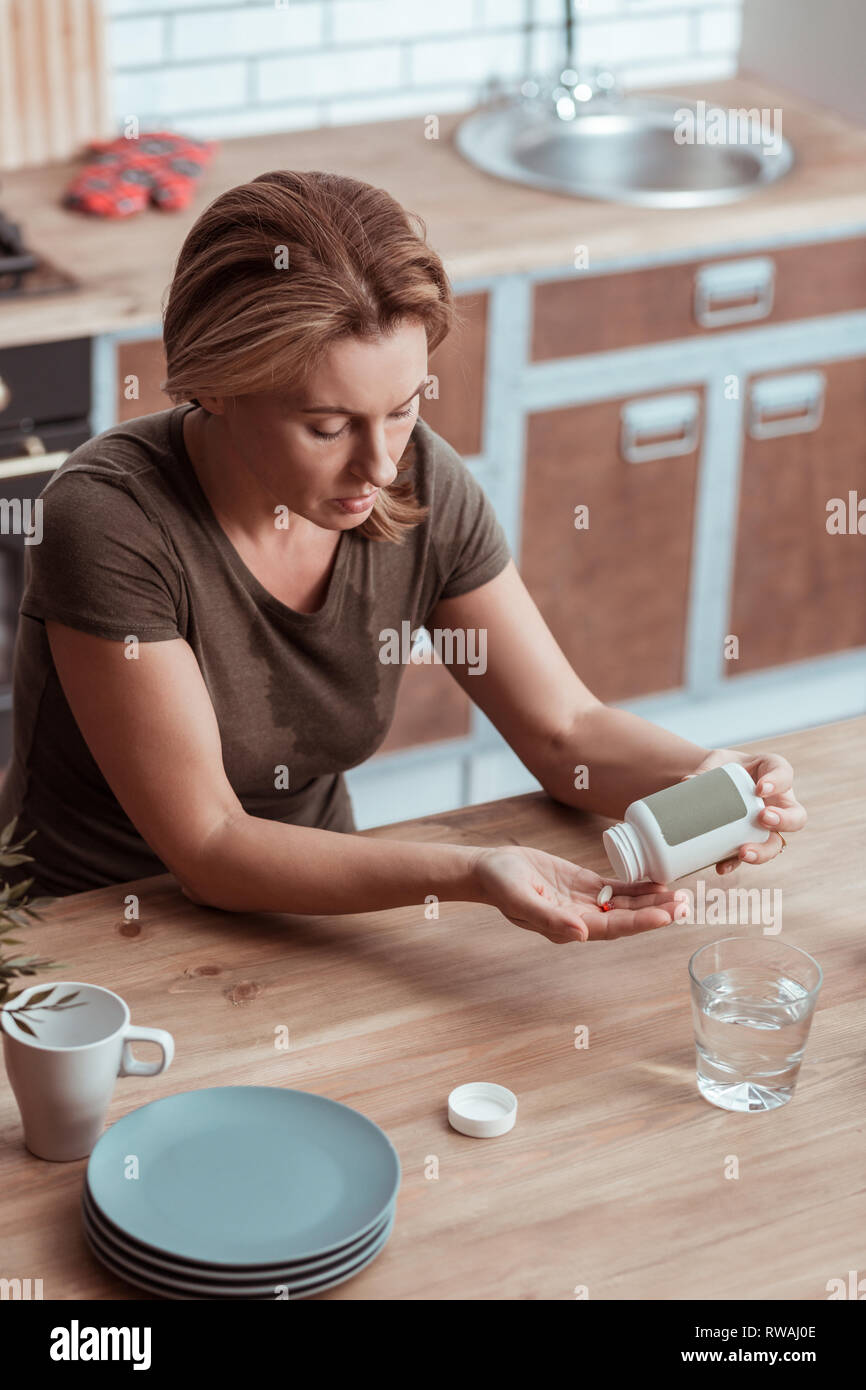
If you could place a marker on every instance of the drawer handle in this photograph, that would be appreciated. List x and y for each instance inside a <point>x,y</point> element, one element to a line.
<point>660,428</point>
<point>32,463</point>
<point>792,404</point>
<point>734,292</point>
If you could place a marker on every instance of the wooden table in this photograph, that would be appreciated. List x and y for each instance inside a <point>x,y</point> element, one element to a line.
<point>614,1178</point>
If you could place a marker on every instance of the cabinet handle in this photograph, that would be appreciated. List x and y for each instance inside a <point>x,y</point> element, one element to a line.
<point>734,292</point>
<point>792,404</point>
<point>32,463</point>
<point>659,428</point>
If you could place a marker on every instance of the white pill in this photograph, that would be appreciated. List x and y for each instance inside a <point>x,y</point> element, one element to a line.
<point>605,894</point>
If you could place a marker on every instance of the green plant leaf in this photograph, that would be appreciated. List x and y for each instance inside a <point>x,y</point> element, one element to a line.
<point>38,997</point>
<point>17,911</point>
<point>15,915</point>
<point>25,1027</point>
<point>67,997</point>
<point>19,889</point>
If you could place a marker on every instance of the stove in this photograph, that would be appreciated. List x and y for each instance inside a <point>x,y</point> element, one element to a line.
<point>24,272</point>
<point>45,395</point>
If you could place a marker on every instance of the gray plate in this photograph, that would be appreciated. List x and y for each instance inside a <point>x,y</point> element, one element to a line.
<point>273,1290</point>
<point>244,1175</point>
<point>155,1266</point>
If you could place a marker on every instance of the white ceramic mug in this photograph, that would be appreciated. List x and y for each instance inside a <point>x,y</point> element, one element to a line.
<point>63,1077</point>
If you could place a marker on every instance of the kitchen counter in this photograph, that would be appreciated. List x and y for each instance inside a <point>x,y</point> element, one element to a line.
<point>480,225</point>
<point>614,1176</point>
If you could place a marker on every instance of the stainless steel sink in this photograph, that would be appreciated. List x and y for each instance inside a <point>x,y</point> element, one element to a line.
<point>625,149</point>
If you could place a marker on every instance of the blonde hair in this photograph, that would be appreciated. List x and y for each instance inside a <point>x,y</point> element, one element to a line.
<point>356,264</point>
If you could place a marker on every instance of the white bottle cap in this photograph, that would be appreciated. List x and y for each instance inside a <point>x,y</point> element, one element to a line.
<point>482,1109</point>
<point>624,852</point>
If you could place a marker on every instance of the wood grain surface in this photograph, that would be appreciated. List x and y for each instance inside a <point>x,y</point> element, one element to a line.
<point>53,80</point>
<point>613,1178</point>
<point>479,225</point>
<point>784,612</point>
<point>589,584</point>
<point>601,313</point>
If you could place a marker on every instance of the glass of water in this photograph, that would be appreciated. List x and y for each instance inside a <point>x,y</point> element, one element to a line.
<point>752,999</point>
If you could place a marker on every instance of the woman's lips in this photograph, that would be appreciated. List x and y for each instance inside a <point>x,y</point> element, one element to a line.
<point>355,505</point>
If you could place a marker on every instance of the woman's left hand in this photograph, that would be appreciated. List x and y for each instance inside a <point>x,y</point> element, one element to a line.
<point>774,779</point>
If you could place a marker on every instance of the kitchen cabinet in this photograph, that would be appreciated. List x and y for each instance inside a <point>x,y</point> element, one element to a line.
<point>45,400</point>
<point>458,367</point>
<point>608,514</point>
<point>430,706</point>
<point>600,313</point>
<point>799,589</point>
<point>734,538</point>
<point>44,385</point>
<point>140,367</point>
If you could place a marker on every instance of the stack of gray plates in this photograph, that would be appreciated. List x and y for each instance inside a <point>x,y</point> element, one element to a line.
<point>249,1192</point>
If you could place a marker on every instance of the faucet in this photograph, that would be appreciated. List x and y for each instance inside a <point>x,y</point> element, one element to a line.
<point>568,88</point>
<point>571,89</point>
<point>575,86</point>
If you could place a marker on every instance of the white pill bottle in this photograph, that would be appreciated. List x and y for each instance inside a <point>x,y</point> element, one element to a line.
<point>686,827</point>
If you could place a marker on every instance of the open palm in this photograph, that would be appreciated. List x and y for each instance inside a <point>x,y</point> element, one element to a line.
<point>543,893</point>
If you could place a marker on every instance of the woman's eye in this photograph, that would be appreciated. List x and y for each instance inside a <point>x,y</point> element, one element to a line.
<point>323,434</point>
<point>395,415</point>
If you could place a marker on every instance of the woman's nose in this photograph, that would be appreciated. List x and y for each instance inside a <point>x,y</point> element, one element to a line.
<point>375,465</point>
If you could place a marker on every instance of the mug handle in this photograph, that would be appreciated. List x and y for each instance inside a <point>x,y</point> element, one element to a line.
<point>128,1064</point>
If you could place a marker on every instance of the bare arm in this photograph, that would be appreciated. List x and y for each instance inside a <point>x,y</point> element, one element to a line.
<point>152,730</point>
<point>548,716</point>
<point>151,727</point>
<point>556,725</point>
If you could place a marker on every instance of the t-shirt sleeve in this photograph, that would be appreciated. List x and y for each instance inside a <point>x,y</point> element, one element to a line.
<point>468,539</point>
<point>100,565</point>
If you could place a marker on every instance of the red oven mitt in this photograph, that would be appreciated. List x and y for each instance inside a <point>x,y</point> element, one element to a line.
<point>122,176</point>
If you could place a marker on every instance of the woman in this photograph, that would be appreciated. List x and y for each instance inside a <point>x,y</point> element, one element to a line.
<point>200,654</point>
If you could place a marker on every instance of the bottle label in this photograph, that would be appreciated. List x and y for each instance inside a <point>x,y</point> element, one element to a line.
<point>693,808</point>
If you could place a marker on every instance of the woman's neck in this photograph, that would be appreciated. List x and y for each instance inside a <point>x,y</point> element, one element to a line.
<point>237,498</point>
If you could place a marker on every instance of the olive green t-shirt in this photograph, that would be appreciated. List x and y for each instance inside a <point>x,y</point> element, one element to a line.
<point>131,548</point>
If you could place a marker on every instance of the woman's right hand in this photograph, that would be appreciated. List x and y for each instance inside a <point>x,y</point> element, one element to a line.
<point>545,894</point>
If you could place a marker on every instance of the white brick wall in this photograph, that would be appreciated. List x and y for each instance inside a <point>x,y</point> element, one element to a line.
<point>234,67</point>
<point>244,31</point>
<point>357,21</point>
